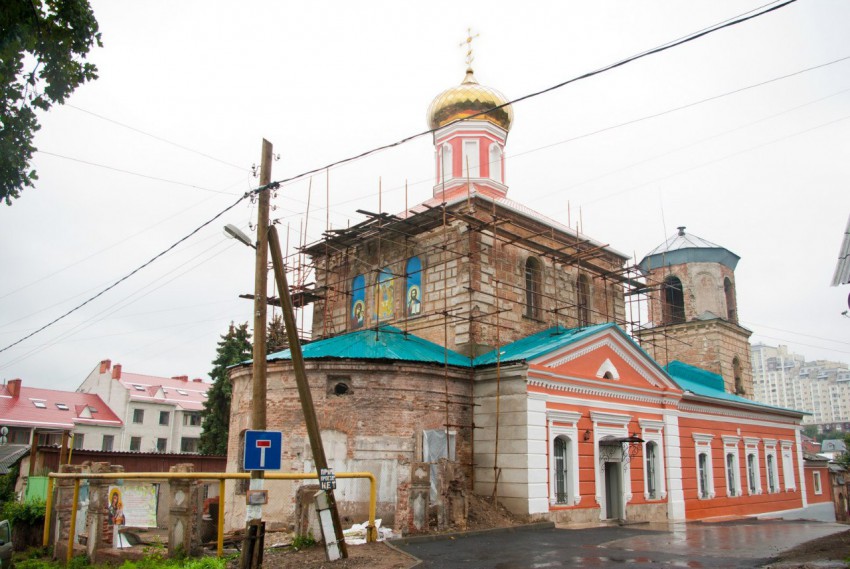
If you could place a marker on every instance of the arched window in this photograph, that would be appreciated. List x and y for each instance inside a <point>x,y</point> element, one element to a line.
<point>413,287</point>
<point>731,474</point>
<point>358,301</point>
<point>533,281</point>
<point>771,473</point>
<point>702,463</point>
<point>495,162</point>
<point>583,300</point>
<point>562,470</point>
<point>673,309</point>
<point>652,470</point>
<point>731,306</point>
<point>752,473</point>
<point>738,375</point>
<point>446,163</point>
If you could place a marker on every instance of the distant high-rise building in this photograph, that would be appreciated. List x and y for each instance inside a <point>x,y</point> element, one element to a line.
<point>785,379</point>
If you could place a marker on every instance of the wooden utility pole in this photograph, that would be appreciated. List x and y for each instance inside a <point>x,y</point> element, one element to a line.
<point>301,380</point>
<point>252,550</point>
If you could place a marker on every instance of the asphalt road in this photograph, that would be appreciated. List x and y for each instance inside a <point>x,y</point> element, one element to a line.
<point>737,544</point>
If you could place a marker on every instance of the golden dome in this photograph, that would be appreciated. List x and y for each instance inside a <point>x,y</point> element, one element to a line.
<point>467,99</point>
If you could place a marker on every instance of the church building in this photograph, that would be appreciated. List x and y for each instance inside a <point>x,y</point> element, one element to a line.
<point>473,329</point>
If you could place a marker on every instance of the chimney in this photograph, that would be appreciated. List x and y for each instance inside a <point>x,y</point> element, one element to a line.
<point>116,371</point>
<point>104,366</point>
<point>181,377</point>
<point>198,380</point>
<point>14,387</point>
<point>681,229</point>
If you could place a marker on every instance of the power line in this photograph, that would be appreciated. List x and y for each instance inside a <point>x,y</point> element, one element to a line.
<point>159,138</point>
<point>589,74</point>
<point>134,173</point>
<point>131,273</point>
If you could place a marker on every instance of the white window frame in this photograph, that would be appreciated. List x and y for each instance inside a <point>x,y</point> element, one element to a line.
<point>495,156</point>
<point>816,483</point>
<point>751,447</point>
<point>471,166</point>
<point>788,466</point>
<point>446,162</point>
<point>771,468</point>
<point>702,445</point>
<point>652,432</point>
<point>730,448</point>
<point>564,424</point>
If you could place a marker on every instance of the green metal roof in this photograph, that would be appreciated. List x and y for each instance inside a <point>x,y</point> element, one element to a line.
<point>708,384</point>
<point>385,343</point>
<point>539,344</point>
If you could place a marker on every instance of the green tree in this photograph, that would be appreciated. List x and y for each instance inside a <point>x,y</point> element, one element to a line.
<point>276,335</point>
<point>42,47</point>
<point>234,347</point>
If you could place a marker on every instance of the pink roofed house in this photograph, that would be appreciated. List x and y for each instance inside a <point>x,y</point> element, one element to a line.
<point>159,414</point>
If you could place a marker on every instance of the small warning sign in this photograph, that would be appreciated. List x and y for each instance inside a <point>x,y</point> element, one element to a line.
<point>327,479</point>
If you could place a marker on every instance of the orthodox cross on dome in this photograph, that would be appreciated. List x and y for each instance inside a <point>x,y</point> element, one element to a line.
<point>468,42</point>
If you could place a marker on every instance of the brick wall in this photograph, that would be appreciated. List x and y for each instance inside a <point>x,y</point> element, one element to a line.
<point>376,427</point>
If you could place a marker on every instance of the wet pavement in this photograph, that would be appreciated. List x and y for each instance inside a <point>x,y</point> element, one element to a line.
<point>736,544</point>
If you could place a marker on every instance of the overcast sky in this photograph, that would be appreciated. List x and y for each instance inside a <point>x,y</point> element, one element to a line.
<point>166,137</point>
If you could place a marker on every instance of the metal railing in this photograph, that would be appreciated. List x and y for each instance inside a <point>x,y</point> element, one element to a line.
<point>371,530</point>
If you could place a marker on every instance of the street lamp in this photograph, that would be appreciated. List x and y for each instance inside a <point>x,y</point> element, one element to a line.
<point>235,233</point>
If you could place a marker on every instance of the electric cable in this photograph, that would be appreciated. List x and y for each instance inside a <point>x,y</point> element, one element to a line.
<point>140,175</point>
<point>664,47</point>
<point>131,273</point>
<point>159,138</point>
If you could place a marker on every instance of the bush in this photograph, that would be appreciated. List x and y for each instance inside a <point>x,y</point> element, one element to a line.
<point>24,513</point>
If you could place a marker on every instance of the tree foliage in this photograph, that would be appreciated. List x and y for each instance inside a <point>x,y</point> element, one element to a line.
<point>43,45</point>
<point>276,335</point>
<point>234,347</point>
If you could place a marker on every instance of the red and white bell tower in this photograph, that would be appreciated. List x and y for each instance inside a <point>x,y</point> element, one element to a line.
<point>472,123</point>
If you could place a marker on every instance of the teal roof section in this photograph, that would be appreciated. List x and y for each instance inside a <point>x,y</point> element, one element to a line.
<point>385,343</point>
<point>708,384</point>
<point>539,344</point>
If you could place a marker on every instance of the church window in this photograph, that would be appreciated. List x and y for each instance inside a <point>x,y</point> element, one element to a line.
<point>495,162</point>
<point>562,470</point>
<point>733,476</point>
<point>739,380</point>
<point>471,160</point>
<point>583,300</point>
<point>673,309</point>
<point>652,470</point>
<point>731,305</point>
<point>771,471</point>
<point>703,475</point>
<point>705,469</point>
<point>385,293</point>
<point>339,386</point>
<point>788,466</point>
<point>533,278</point>
<point>413,287</point>
<point>446,163</point>
<point>358,301</point>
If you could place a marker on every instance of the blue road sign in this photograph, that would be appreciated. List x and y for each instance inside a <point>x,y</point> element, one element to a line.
<point>263,450</point>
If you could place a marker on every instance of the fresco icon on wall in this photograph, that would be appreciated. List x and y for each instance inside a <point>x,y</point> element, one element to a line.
<point>358,301</point>
<point>385,294</point>
<point>413,290</point>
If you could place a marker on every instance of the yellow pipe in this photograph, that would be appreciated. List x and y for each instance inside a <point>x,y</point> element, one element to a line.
<point>72,529</point>
<point>220,528</point>
<point>48,510</point>
<point>371,530</point>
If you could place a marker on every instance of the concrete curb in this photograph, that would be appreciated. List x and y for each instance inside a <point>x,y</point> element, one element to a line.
<point>461,534</point>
